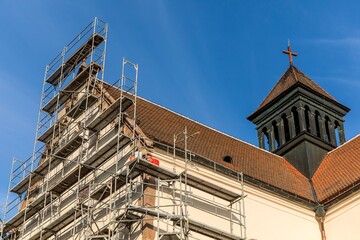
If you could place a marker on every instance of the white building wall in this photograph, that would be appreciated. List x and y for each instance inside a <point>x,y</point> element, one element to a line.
<point>342,220</point>
<point>268,217</point>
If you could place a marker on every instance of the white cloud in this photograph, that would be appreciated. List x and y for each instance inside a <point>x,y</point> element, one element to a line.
<point>346,81</point>
<point>351,42</point>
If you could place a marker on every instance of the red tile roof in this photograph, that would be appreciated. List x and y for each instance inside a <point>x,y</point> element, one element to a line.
<point>161,124</point>
<point>291,77</point>
<point>339,171</point>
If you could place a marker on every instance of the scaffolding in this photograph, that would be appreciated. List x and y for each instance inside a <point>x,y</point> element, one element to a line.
<point>73,87</point>
<point>140,194</point>
<point>93,174</point>
<point>2,212</point>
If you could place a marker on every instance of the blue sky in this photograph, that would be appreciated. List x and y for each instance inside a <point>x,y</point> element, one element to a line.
<point>213,61</point>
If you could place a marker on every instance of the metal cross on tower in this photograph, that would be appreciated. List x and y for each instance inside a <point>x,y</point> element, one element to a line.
<point>290,53</point>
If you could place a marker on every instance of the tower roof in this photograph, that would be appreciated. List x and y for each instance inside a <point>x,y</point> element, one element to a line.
<point>291,77</point>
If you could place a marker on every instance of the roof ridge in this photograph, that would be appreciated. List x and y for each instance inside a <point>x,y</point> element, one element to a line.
<point>282,76</point>
<point>225,134</point>
<point>332,152</point>
<point>342,145</point>
<point>337,174</point>
<point>294,70</point>
<point>313,84</point>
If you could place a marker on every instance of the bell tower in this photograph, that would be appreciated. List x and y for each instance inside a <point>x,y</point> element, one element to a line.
<point>299,120</point>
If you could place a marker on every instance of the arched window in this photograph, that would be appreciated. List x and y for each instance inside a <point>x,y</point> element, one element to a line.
<point>327,129</point>
<point>296,120</point>
<point>286,127</point>
<point>266,139</point>
<point>307,119</point>
<point>228,159</point>
<point>276,134</point>
<point>317,124</point>
<point>337,133</point>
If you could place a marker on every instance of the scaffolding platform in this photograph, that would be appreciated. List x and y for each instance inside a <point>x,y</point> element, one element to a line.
<point>125,218</point>
<point>58,100</point>
<point>36,175</point>
<point>98,237</point>
<point>154,213</point>
<point>212,188</point>
<point>104,191</point>
<point>128,216</point>
<point>15,221</point>
<point>81,105</point>
<point>30,211</point>
<point>116,182</point>
<point>106,150</point>
<point>193,225</point>
<point>156,171</point>
<point>21,186</point>
<point>144,166</point>
<point>64,181</point>
<point>170,236</point>
<point>109,114</point>
<point>69,144</point>
<point>49,133</point>
<point>43,167</point>
<point>74,171</point>
<point>212,232</point>
<point>83,52</point>
<point>56,223</point>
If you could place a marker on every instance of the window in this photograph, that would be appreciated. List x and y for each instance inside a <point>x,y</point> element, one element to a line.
<point>296,120</point>
<point>307,119</point>
<point>337,133</point>
<point>286,127</point>
<point>327,128</point>
<point>228,159</point>
<point>276,134</point>
<point>267,142</point>
<point>317,124</point>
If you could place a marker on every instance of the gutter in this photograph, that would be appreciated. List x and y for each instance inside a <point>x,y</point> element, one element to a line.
<point>320,212</point>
